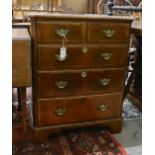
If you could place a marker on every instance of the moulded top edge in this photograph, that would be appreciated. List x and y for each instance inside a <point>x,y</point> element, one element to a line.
<point>81,16</point>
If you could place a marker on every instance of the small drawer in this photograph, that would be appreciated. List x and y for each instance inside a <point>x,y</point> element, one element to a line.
<point>55,32</point>
<point>107,56</point>
<point>79,109</point>
<point>108,32</point>
<point>55,84</point>
<point>107,81</point>
<point>59,84</point>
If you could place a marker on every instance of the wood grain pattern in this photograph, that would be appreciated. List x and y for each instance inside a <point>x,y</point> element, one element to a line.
<point>93,58</point>
<point>78,109</point>
<point>75,34</point>
<point>67,93</point>
<point>96,33</point>
<point>78,85</point>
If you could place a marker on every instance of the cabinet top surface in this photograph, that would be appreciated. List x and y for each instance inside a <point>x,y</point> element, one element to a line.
<point>20,34</point>
<point>82,16</point>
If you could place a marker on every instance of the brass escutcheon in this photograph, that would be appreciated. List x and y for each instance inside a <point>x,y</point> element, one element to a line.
<point>83,74</point>
<point>84,49</point>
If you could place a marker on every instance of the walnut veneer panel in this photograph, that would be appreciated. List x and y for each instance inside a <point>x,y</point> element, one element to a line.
<point>108,32</point>
<point>85,87</point>
<point>47,31</point>
<point>79,82</point>
<point>96,56</point>
<point>78,109</point>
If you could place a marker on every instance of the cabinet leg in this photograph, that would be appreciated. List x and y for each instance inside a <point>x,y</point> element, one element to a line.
<point>39,136</point>
<point>114,127</point>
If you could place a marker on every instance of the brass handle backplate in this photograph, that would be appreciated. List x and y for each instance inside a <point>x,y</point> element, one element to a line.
<point>105,81</point>
<point>61,84</point>
<point>106,55</point>
<point>108,33</point>
<point>60,111</point>
<point>62,32</point>
<point>102,107</point>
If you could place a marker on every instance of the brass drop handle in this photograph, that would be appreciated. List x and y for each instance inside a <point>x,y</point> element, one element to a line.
<point>61,84</point>
<point>102,107</point>
<point>106,55</point>
<point>60,111</point>
<point>108,33</point>
<point>59,58</point>
<point>105,81</point>
<point>62,32</point>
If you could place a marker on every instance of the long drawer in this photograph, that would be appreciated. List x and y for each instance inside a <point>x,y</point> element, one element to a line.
<point>82,57</point>
<point>54,32</point>
<point>78,109</point>
<point>110,32</point>
<point>52,84</point>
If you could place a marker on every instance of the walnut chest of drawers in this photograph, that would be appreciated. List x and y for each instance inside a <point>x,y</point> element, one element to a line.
<point>83,86</point>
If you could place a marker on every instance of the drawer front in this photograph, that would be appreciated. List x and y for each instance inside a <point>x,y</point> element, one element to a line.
<point>49,58</point>
<point>55,31</point>
<point>110,80</point>
<point>59,84</point>
<point>108,32</point>
<point>107,56</point>
<point>82,57</point>
<point>79,109</point>
<point>79,82</point>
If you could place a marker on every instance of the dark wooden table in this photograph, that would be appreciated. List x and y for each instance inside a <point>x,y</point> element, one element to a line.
<point>21,25</point>
<point>21,49</point>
